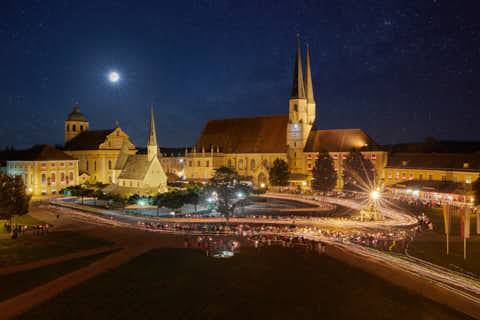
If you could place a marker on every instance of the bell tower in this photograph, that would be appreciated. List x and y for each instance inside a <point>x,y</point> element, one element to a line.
<point>75,124</point>
<point>299,121</point>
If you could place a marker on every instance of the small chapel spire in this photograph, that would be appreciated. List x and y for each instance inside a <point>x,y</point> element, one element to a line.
<point>152,148</point>
<point>308,79</point>
<point>298,90</point>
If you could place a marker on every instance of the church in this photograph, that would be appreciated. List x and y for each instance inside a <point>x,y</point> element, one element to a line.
<point>250,145</point>
<point>109,157</point>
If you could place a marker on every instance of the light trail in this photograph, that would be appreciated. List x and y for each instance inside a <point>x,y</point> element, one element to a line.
<point>454,282</point>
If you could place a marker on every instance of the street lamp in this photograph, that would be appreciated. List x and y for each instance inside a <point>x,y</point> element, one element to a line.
<point>374,195</point>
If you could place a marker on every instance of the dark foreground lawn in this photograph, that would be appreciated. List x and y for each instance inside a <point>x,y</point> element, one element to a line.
<point>20,282</point>
<point>271,283</point>
<point>32,247</point>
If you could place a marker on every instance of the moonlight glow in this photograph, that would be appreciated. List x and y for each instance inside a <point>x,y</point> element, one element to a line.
<point>113,76</point>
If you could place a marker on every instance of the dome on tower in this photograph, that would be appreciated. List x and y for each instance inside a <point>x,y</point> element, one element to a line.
<point>76,115</point>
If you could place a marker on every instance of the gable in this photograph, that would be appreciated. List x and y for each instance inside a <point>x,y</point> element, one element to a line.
<point>115,139</point>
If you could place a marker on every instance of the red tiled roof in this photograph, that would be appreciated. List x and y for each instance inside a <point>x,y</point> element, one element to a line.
<point>339,140</point>
<point>444,161</point>
<point>42,153</point>
<point>265,134</point>
<point>88,140</point>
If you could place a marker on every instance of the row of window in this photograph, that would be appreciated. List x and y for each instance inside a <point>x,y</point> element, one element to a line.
<point>87,165</point>
<point>130,184</point>
<point>74,128</point>
<point>52,179</point>
<point>411,176</point>
<point>344,157</point>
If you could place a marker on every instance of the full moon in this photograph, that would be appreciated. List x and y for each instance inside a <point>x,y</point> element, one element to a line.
<point>113,76</point>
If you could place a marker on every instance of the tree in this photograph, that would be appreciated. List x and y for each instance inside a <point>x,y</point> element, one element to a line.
<point>226,183</point>
<point>324,175</point>
<point>359,172</point>
<point>172,200</point>
<point>192,197</point>
<point>13,198</point>
<point>476,190</point>
<point>278,173</point>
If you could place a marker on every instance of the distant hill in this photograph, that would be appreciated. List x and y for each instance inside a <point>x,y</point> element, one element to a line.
<point>430,145</point>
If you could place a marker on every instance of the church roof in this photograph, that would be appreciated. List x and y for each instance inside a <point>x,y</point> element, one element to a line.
<point>265,134</point>
<point>339,140</point>
<point>88,140</point>
<point>443,161</point>
<point>135,168</point>
<point>76,115</point>
<point>43,152</point>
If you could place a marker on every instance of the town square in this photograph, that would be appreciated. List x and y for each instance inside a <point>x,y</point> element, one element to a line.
<point>232,160</point>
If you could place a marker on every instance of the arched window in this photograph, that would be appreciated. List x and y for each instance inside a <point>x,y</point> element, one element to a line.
<point>295,108</point>
<point>252,164</point>
<point>68,127</point>
<point>81,128</point>
<point>240,164</point>
<point>86,161</point>
<point>70,177</point>
<point>44,178</point>
<point>265,163</point>
<point>74,128</point>
<point>62,177</point>
<point>110,164</point>
<point>52,178</point>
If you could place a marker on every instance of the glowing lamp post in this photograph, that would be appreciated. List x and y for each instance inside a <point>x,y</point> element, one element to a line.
<point>370,210</point>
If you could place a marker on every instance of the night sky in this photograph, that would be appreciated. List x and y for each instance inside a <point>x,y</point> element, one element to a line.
<point>401,70</point>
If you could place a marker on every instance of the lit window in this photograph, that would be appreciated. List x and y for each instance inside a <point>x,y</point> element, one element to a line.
<point>44,178</point>
<point>468,179</point>
<point>252,164</point>
<point>444,178</point>
<point>420,177</point>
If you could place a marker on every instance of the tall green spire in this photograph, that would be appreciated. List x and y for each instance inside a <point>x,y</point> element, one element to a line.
<point>308,79</point>
<point>298,90</point>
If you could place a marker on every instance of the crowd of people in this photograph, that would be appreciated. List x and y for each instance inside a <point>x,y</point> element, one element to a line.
<point>15,230</point>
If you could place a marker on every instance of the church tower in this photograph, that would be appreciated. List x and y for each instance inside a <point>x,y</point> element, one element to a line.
<point>75,124</point>
<point>152,138</point>
<point>311,107</point>
<point>299,120</point>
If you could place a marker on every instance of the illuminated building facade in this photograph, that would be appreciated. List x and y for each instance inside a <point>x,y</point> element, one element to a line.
<point>44,169</point>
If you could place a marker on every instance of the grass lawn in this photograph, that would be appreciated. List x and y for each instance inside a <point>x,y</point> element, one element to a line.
<point>25,220</point>
<point>17,283</point>
<point>270,283</point>
<point>32,247</point>
<point>431,245</point>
